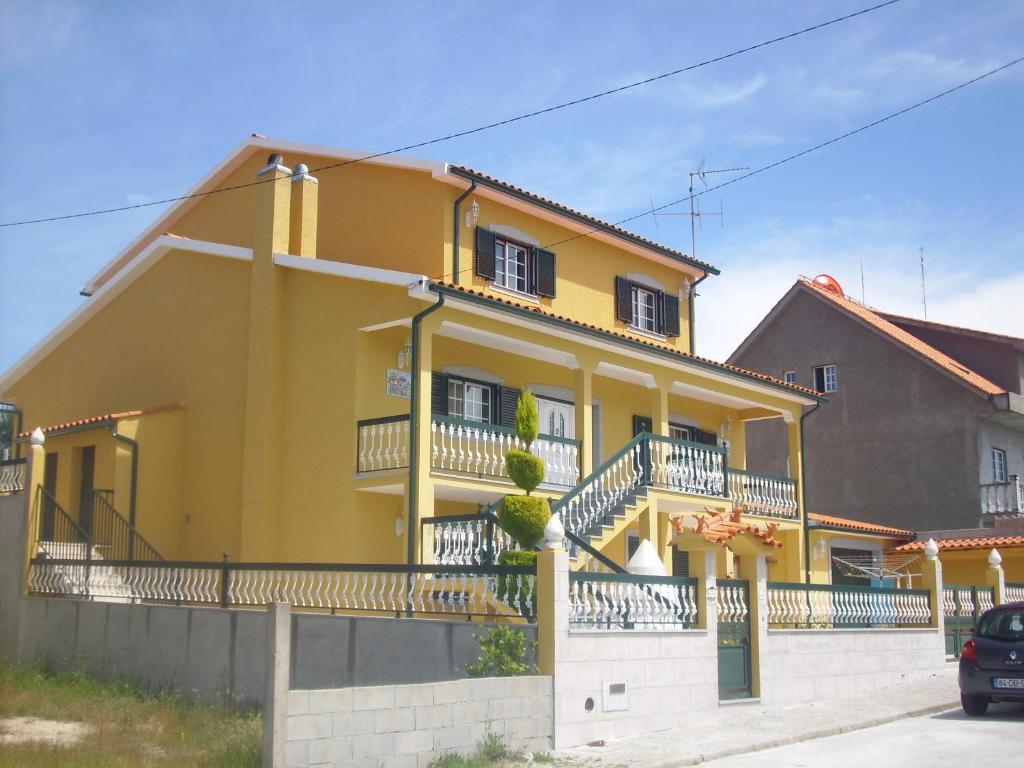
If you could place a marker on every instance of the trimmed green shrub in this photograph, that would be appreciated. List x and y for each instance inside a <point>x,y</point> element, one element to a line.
<point>503,653</point>
<point>524,518</point>
<point>525,469</point>
<point>527,418</point>
<point>507,585</point>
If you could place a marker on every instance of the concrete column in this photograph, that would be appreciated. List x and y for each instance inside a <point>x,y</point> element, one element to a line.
<point>931,579</point>
<point>707,578</point>
<point>304,207</point>
<point>424,493</point>
<point>275,696</point>
<point>659,406</point>
<point>35,469</point>
<point>584,385</point>
<point>995,577</point>
<point>754,568</point>
<point>552,608</point>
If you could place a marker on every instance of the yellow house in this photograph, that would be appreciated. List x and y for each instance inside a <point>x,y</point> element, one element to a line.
<point>288,367</point>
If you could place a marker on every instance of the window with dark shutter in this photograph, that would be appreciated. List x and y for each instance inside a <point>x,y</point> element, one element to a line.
<point>508,400</point>
<point>707,438</point>
<point>545,273</point>
<point>484,262</point>
<point>623,299</point>
<point>671,320</point>
<point>439,394</point>
<point>680,562</point>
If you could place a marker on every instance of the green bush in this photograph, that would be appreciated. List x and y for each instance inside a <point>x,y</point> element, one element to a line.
<point>503,653</point>
<point>527,418</point>
<point>507,585</point>
<point>524,518</point>
<point>525,469</point>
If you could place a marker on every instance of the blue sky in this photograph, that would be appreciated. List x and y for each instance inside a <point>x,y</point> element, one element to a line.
<point>109,103</point>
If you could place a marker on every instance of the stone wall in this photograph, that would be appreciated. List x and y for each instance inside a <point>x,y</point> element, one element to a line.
<point>798,666</point>
<point>414,725</point>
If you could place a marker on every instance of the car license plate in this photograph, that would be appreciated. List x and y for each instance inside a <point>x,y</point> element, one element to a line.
<point>1008,682</point>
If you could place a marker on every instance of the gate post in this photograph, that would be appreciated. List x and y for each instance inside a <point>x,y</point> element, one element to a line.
<point>754,569</point>
<point>996,578</point>
<point>35,468</point>
<point>931,579</point>
<point>276,685</point>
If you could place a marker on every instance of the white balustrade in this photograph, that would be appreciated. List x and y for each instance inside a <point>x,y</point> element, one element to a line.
<point>686,467</point>
<point>12,476</point>
<point>1003,498</point>
<point>464,541</point>
<point>383,444</point>
<point>763,494</point>
<point>731,603</point>
<point>1014,593</point>
<point>605,602</point>
<point>603,492</point>
<point>833,607</point>
<point>480,450</point>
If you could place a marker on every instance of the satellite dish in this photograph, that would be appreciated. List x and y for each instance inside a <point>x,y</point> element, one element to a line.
<point>829,283</point>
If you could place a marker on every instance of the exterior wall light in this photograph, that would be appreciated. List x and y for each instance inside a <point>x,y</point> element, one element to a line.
<point>473,214</point>
<point>399,525</point>
<point>820,549</point>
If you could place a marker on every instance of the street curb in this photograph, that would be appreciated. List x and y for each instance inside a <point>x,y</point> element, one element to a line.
<point>823,733</point>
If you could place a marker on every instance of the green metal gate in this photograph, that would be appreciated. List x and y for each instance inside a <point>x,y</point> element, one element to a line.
<point>961,606</point>
<point>734,663</point>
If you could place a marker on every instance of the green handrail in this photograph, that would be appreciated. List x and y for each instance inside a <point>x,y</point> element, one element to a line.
<point>582,486</point>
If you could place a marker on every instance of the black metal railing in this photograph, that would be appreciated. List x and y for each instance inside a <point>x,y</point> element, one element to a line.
<point>113,535</point>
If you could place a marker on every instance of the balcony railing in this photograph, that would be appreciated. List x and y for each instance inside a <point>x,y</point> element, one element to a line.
<point>827,606</point>
<point>12,476</point>
<point>761,494</point>
<point>1003,498</point>
<point>383,443</point>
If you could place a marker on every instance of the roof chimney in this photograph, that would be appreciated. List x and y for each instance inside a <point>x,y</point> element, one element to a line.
<point>304,212</point>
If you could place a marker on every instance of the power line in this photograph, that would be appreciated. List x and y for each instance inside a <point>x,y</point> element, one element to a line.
<point>808,151</point>
<point>470,131</point>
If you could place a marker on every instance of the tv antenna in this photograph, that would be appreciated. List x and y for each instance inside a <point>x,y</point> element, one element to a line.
<point>924,295</point>
<point>695,213</point>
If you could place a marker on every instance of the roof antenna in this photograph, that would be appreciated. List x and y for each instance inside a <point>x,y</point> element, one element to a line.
<point>924,295</point>
<point>863,300</point>
<point>695,213</point>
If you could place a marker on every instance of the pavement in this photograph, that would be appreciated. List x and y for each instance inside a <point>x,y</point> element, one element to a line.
<point>754,727</point>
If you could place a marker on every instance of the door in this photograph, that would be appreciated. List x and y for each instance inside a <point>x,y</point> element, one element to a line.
<point>734,667</point>
<point>557,422</point>
<point>85,489</point>
<point>644,424</point>
<point>50,484</point>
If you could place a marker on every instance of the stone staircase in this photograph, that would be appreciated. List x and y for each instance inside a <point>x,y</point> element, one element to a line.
<point>86,577</point>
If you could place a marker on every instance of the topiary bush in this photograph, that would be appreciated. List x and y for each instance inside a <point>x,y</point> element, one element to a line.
<point>525,469</point>
<point>524,518</point>
<point>527,418</point>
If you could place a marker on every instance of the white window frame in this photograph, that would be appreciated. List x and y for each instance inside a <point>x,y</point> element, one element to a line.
<point>789,377</point>
<point>517,280</point>
<point>460,403</point>
<point>829,378</point>
<point>999,465</point>
<point>640,320</point>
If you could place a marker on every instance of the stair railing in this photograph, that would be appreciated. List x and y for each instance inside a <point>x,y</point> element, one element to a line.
<point>111,531</point>
<point>605,488</point>
<point>61,538</point>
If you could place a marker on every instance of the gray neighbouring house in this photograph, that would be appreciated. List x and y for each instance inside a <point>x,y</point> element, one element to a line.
<point>924,428</point>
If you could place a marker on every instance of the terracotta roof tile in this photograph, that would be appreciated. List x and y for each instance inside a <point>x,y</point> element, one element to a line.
<point>104,418</point>
<point>723,527</point>
<point>983,542</point>
<point>654,345</point>
<point>859,525</point>
<point>592,219</point>
<point>906,339</point>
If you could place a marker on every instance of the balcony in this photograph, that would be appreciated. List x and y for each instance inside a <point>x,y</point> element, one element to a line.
<point>464,448</point>
<point>1003,498</point>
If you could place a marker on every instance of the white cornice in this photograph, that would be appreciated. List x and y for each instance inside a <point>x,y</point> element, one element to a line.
<point>110,290</point>
<point>352,271</point>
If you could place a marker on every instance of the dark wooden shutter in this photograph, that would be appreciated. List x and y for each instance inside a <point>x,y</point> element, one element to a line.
<point>680,562</point>
<point>623,299</point>
<point>484,262</point>
<point>659,311</point>
<point>508,400</point>
<point>438,394</point>
<point>671,315</point>
<point>545,273</point>
<point>632,545</point>
<point>707,438</point>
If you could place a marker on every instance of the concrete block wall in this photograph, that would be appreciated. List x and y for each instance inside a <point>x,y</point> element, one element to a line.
<point>669,676</point>
<point>798,666</point>
<point>411,726</point>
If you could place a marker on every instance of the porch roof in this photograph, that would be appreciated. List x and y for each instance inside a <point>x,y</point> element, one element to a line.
<point>982,542</point>
<point>617,337</point>
<point>96,421</point>
<point>721,528</point>
<point>844,523</point>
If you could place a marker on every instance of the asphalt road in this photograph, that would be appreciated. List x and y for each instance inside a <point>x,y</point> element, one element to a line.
<point>951,738</point>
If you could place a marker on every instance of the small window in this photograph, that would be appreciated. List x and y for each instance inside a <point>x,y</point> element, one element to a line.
<point>644,313</point>
<point>679,433</point>
<point>790,377</point>
<point>826,379</point>
<point>511,265</point>
<point>469,400</point>
<point>999,465</point>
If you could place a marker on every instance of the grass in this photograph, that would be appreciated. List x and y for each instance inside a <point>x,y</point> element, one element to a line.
<point>489,753</point>
<point>129,727</point>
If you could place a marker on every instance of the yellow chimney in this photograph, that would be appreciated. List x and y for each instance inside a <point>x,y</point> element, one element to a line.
<point>273,209</point>
<point>305,199</point>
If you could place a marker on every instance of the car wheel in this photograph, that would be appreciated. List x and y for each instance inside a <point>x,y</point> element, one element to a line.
<point>973,705</point>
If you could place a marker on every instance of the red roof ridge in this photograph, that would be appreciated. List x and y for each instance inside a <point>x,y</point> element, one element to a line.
<point>722,527</point>
<point>662,347</point>
<point>104,418</point>
<point>908,340</point>
<point>983,542</point>
<point>846,522</point>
